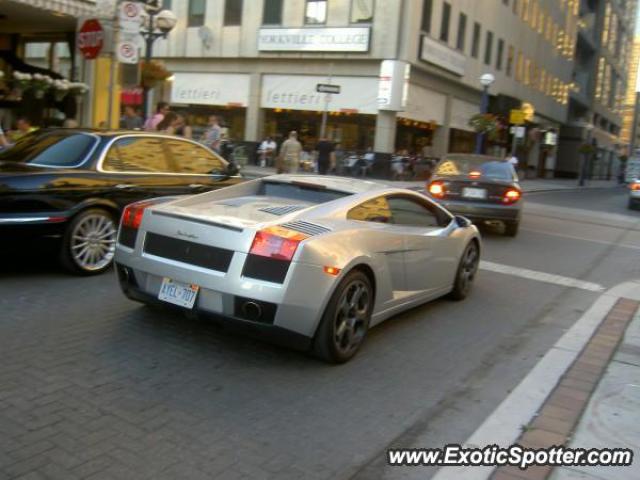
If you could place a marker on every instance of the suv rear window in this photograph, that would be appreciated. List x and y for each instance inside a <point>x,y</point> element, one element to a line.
<point>301,192</point>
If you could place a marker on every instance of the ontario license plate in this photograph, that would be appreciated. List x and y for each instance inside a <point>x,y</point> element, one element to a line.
<point>474,193</point>
<point>178,293</point>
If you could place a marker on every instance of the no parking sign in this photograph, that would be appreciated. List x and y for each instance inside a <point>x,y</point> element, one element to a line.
<point>127,52</point>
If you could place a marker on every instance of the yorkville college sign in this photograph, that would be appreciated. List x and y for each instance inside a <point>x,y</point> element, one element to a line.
<point>352,39</point>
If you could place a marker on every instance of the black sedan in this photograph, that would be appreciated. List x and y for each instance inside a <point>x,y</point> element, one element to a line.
<point>72,184</point>
<point>479,187</point>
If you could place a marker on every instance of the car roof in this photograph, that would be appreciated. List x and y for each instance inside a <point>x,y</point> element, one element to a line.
<point>100,132</point>
<point>472,156</point>
<point>342,184</point>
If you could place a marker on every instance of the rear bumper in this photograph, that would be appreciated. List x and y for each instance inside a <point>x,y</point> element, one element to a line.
<point>129,283</point>
<point>481,211</point>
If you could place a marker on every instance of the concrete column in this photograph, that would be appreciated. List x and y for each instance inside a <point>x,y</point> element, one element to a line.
<point>254,121</point>
<point>385,137</point>
<point>441,135</point>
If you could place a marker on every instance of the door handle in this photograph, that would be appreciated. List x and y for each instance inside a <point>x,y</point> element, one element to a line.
<point>125,186</point>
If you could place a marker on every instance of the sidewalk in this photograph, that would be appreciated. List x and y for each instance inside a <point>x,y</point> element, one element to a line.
<point>529,185</point>
<point>584,393</point>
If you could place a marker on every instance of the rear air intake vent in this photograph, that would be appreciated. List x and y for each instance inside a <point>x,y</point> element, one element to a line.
<point>283,210</point>
<point>306,227</point>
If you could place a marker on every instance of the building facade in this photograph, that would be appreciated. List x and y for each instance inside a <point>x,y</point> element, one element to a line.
<point>629,110</point>
<point>257,64</point>
<point>601,71</point>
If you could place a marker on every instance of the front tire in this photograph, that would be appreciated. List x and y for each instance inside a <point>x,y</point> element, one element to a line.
<point>89,243</point>
<point>345,321</point>
<point>466,273</point>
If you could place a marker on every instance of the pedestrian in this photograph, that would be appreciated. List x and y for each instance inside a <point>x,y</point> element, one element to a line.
<point>181,127</point>
<point>290,154</point>
<point>23,127</point>
<point>166,125</point>
<point>130,120</point>
<point>326,155</point>
<point>151,125</point>
<point>212,135</point>
<point>267,151</point>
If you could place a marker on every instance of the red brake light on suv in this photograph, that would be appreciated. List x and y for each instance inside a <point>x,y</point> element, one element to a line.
<point>436,189</point>
<point>276,242</point>
<point>511,196</point>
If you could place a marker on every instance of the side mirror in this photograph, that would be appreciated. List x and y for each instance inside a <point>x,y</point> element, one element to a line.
<point>463,222</point>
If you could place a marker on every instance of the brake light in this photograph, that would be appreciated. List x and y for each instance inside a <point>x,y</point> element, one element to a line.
<point>132,214</point>
<point>511,196</point>
<point>276,242</point>
<point>436,189</point>
<point>635,186</point>
<point>475,174</point>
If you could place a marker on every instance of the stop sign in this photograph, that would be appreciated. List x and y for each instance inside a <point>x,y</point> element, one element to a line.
<point>90,39</point>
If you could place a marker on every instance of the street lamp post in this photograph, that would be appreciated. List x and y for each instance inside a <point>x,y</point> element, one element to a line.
<point>486,81</point>
<point>164,21</point>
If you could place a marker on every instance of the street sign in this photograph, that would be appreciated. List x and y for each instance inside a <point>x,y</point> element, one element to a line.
<point>327,88</point>
<point>130,16</point>
<point>516,117</point>
<point>90,39</point>
<point>127,52</point>
<point>520,131</point>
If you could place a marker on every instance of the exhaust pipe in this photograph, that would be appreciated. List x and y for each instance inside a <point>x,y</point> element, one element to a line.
<point>251,311</point>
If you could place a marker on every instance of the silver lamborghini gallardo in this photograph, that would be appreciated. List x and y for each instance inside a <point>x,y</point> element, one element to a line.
<point>312,261</point>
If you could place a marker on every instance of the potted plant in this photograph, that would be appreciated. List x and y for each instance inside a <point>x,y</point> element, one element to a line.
<point>153,73</point>
<point>486,123</point>
<point>78,88</point>
<point>40,84</point>
<point>60,89</point>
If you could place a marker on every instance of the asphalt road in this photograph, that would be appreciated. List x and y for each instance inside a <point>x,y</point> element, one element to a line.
<point>95,386</point>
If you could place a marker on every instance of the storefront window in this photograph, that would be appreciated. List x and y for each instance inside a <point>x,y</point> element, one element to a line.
<point>362,11</point>
<point>315,12</point>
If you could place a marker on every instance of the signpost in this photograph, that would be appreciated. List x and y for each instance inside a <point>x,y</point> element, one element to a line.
<point>90,39</point>
<point>327,88</point>
<point>517,117</point>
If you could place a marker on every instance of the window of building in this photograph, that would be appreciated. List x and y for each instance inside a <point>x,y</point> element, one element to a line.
<point>524,11</point>
<point>462,32</point>
<point>475,45</point>
<point>444,24</point>
<point>362,11</point>
<point>166,4</point>
<point>272,13</point>
<point>427,10</point>
<point>488,48</point>
<point>232,12</point>
<point>197,9</point>
<point>315,12</point>
<point>506,2</point>
<point>499,54</point>
<point>533,15</point>
<point>510,55</point>
<point>514,6</point>
<point>519,67</point>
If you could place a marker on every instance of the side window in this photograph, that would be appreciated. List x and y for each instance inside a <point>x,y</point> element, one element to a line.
<point>410,212</point>
<point>136,154</point>
<point>376,210</point>
<point>187,157</point>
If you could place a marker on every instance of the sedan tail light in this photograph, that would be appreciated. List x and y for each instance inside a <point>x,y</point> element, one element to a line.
<point>511,196</point>
<point>635,186</point>
<point>276,242</point>
<point>436,189</point>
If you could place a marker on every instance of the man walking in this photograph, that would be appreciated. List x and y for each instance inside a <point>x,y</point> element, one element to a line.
<point>290,153</point>
<point>151,125</point>
<point>326,156</point>
<point>213,135</point>
<point>130,120</point>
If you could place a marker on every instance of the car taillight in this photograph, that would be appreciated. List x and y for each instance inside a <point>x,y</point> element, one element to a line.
<point>475,174</point>
<point>511,196</point>
<point>276,242</point>
<point>635,186</point>
<point>132,214</point>
<point>436,189</point>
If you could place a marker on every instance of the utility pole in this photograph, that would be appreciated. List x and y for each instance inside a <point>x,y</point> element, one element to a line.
<point>327,99</point>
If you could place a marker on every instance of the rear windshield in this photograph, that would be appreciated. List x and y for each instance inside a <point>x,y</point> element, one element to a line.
<point>51,149</point>
<point>303,193</point>
<point>496,169</point>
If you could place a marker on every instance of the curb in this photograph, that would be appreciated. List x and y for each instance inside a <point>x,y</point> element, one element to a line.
<point>504,426</point>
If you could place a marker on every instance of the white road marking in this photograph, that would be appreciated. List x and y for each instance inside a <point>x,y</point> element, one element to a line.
<point>541,276</point>
<point>574,237</point>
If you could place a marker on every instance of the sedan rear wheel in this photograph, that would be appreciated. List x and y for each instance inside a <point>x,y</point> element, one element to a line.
<point>89,243</point>
<point>345,321</point>
<point>467,270</point>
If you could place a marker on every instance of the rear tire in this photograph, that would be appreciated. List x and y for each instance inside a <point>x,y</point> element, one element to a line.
<point>511,228</point>
<point>466,273</point>
<point>633,204</point>
<point>89,242</point>
<point>345,321</point>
